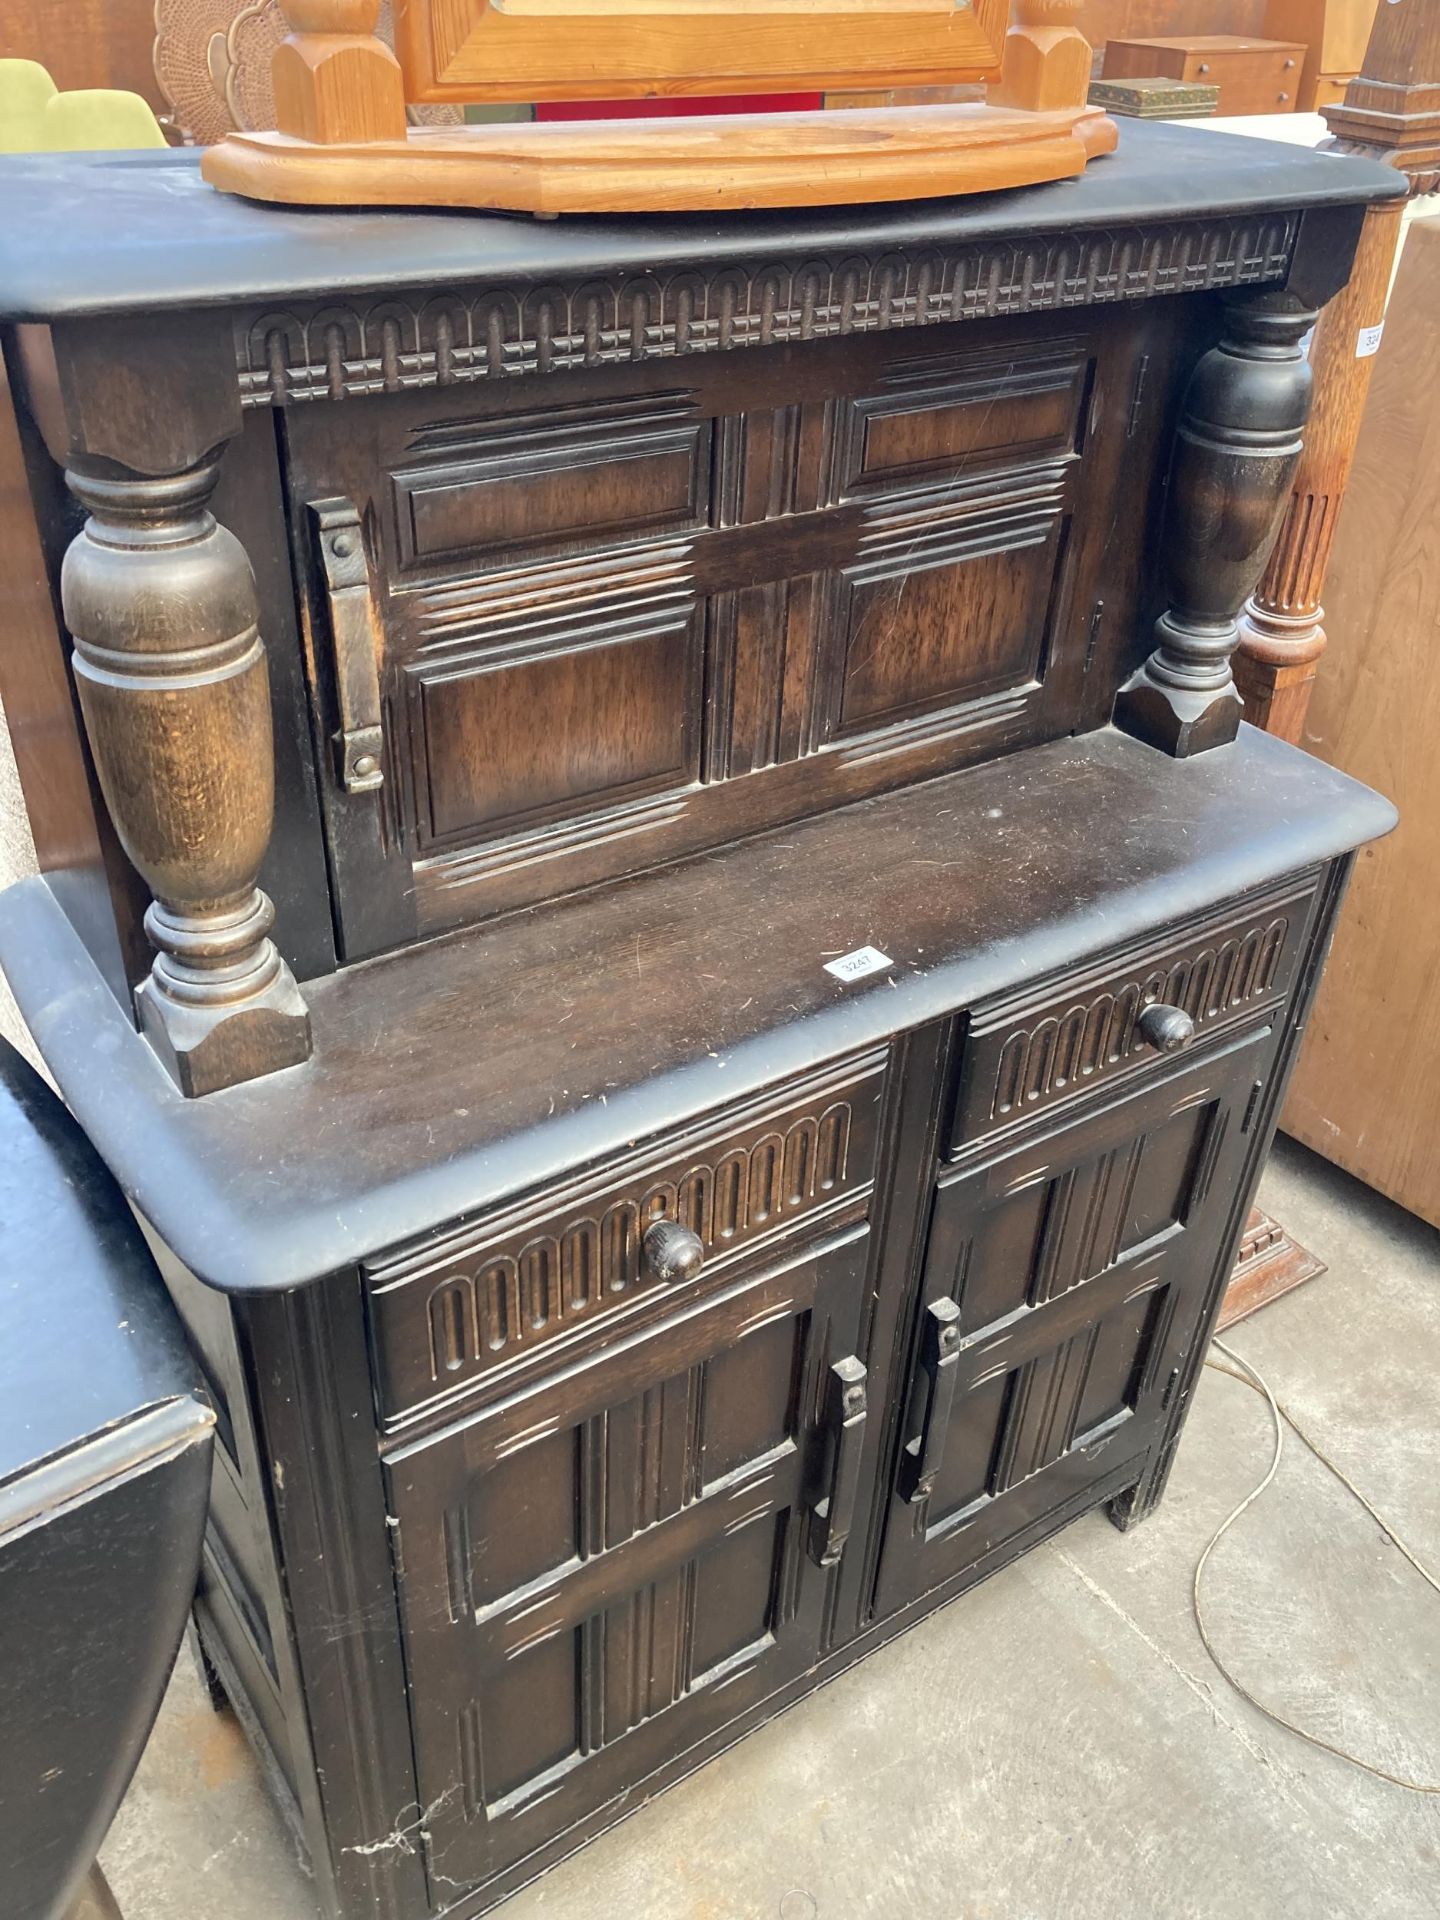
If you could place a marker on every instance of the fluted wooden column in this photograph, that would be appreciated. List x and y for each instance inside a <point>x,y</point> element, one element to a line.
<point>1282,635</point>
<point>1390,113</point>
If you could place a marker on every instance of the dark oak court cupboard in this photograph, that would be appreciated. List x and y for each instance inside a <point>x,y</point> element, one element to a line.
<point>784,959</point>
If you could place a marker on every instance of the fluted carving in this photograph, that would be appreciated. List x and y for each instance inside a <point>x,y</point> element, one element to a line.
<point>1282,632</point>
<point>1391,113</point>
<point>169,664</point>
<point>343,351</point>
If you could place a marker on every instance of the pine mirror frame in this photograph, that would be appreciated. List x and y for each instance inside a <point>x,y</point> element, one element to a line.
<point>491,51</point>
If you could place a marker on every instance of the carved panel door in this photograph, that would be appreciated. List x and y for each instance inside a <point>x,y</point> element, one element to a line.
<point>600,1571</point>
<point>1065,1281</point>
<point>564,629</point>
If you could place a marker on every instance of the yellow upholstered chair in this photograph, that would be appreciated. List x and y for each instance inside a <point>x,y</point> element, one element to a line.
<point>26,89</point>
<point>97,117</point>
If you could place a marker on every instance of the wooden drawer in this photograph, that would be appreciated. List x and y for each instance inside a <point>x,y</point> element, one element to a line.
<point>1052,1042</point>
<point>1254,76</point>
<point>565,1267</point>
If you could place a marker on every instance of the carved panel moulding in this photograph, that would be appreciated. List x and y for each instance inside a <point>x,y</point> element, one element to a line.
<point>335,352</point>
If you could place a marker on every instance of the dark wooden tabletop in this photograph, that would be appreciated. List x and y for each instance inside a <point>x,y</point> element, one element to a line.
<point>88,1338</point>
<point>95,233</point>
<point>450,1075</point>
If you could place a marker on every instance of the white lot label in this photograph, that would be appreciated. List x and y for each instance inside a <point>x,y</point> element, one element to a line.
<point>1368,341</point>
<point>855,966</point>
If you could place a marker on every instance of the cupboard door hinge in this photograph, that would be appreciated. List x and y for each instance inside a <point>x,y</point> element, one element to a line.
<point>357,639</point>
<point>939,1360</point>
<point>845,1409</point>
<point>1252,1106</point>
<point>1170,1385</point>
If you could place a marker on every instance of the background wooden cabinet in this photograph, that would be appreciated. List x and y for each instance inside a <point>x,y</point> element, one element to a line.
<point>1105,20</point>
<point>1367,1089</point>
<point>1334,34</point>
<point>1254,76</point>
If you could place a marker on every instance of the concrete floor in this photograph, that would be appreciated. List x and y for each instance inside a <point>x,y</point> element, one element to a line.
<point>1055,1743</point>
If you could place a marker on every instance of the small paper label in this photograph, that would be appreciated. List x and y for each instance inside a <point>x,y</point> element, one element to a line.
<point>855,966</point>
<point>1368,341</point>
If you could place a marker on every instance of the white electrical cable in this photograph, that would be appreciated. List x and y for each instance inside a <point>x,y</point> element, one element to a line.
<point>1281,1417</point>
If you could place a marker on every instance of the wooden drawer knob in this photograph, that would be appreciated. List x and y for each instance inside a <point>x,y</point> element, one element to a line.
<point>672,1253</point>
<point>1167,1029</point>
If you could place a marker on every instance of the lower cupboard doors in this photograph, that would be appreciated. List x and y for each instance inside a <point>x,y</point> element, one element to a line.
<point>602,1570</point>
<point>1064,1282</point>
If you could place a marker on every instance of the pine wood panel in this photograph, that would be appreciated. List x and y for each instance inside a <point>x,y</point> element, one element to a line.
<point>728,161</point>
<point>1367,1090</point>
<point>611,49</point>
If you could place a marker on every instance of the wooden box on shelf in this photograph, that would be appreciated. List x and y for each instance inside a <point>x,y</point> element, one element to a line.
<point>1156,99</point>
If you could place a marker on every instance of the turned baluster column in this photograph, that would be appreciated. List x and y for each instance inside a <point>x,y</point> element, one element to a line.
<point>160,601</point>
<point>1235,457</point>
